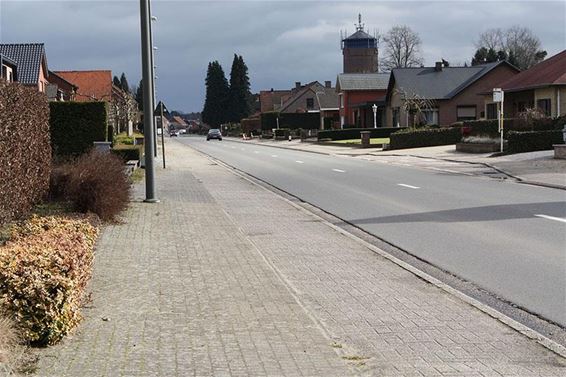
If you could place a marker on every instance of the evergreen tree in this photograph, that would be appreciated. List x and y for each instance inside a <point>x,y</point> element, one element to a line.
<point>217,92</point>
<point>116,81</point>
<point>240,95</point>
<point>124,83</point>
<point>139,95</point>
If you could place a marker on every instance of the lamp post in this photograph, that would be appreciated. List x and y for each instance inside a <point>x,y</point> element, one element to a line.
<point>374,108</point>
<point>153,19</point>
<point>148,121</point>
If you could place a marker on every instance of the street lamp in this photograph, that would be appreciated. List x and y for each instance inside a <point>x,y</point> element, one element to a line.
<point>153,48</point>
<point>374,108</point>
<point>148,121</point>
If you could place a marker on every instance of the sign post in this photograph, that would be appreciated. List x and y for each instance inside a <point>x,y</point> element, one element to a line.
<point>159,110</point>
<point>498,98</point>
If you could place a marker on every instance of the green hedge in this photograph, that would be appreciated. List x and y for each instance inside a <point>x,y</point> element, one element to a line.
<point>424,137</point>
<point>354,133</point>
<point>529,141</point>
<point>282,133</point>
<point>76,125</point>
<point>491,128</point>
<point>292,121</point>
<point>128,152</point>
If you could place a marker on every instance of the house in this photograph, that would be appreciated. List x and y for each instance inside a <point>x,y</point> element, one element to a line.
<point>31,63</point>
<point>9,71</point>
<point>96,85</point>
<point>542,86</point>
<point>358,92</point>
<point>314,98</point>
<point>60,89</point>
<point>272,100</point>
<point>441,94</point>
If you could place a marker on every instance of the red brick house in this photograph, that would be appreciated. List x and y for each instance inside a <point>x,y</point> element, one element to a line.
<point>450,94</point>
<point>358,93</point>
<point>60,89</point>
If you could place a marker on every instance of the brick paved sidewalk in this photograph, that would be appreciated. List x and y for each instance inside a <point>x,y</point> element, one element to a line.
<point>224,278</point>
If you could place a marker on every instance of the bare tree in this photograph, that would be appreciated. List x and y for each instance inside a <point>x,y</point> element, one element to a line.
<point>414,106</point>
<point>521,47</point>
<point>402,48</point>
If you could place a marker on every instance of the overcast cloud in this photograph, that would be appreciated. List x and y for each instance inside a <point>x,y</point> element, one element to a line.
<point>281,41</point>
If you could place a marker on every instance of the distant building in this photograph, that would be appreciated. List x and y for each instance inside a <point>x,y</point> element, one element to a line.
<point>31,63</point>
<point>272,100</point>
<point>360,51</point>
<point>358,93</point>
<point>445,94</point>
<point>314,98</point>
<point>60,89</point>
<point>9,70</point>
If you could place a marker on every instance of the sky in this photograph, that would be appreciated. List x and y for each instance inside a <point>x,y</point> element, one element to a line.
<point>281,41</point>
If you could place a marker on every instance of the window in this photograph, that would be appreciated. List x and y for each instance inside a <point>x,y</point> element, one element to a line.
<point>5,72</point>
<point>310,103</point>
<point>465,113</point>
<point>430,116</point>
<point>544,106</point>
<point>396,117</point>
<point>491,109</point>
<point>341,101</point>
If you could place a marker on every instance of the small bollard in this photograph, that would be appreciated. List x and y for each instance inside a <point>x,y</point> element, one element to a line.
<point>365,135</point>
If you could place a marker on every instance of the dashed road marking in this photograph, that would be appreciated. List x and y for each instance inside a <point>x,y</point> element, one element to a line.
<point>274,155</point>
<point>408,186</point>
<point>552,218</point>
<point>256,151</point>
<point>299,162</point>
<point>339,171</point>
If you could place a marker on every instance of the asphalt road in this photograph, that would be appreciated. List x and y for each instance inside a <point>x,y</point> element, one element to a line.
<point>505,237</point>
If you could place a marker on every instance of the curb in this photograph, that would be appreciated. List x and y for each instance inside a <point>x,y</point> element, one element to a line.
<point>506,320</point>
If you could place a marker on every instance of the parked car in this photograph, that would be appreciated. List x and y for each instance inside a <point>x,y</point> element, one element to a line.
<point>214,133</point>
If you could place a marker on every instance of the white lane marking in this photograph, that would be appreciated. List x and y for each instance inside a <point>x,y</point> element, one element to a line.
<point>242,149</point>
<point>409,186</point>
<point>299,162</point>
<point>339,171</point>
<point>552,218</point>
<point>256,151</point>
<point>274,155</point>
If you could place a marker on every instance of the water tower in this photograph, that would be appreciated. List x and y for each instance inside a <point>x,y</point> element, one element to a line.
<point>359,51</point>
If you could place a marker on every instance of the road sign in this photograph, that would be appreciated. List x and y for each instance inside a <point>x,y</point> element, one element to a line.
<point>497,95</point>
<point>157,111</point>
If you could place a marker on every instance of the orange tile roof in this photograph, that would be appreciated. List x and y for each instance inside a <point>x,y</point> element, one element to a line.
<point>93,85</point>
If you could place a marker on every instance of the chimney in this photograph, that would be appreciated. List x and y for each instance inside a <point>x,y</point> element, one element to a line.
<point>297,85</point>
<point>272,89</point>
<point>438,67</point>
<point>328,84</point>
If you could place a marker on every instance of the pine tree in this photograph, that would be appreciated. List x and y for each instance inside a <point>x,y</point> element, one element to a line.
<point>116,81</point>
<point>139,95</point>
<point>239,98</point>
<point>217,91</point>
<point>124,83</point>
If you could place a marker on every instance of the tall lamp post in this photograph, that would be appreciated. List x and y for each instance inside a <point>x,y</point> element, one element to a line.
<point>374,108</point>
<point>148,121</point>
<point>153,48</point>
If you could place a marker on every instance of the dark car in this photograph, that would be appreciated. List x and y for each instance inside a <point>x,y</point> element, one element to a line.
<point>214,133</point>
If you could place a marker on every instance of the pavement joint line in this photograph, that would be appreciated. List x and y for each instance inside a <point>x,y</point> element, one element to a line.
<point>552,218</point>
<point>506,320</point>
<point>293,291</point>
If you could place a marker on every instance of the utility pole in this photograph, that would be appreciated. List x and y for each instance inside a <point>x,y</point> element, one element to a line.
<point>148,121</point>
<point>151,19</point>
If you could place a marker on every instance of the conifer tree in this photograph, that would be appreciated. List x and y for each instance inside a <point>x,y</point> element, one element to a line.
<point>214,112</point>
<point>239,97</point>
<point>124,83</point>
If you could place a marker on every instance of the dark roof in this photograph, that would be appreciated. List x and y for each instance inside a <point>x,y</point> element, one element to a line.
<point>427,82</point>
<point>360,34</point>
<point>327,98</point>
<point>7,60</point>
<point>551,71</point>
<point>29,57</point>
<point>362,81</point>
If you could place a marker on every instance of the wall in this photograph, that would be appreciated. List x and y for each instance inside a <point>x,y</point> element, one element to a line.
<point>354,97</point>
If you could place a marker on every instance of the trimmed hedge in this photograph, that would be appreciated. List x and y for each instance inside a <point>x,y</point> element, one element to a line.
<point>354,133</point>
<point>44,270</point>
<point>292,121</point>
<point>25,149</point>
<point>490,127</point>
<point>128,152</point>
<point>76,125</point>
<point>529,141</point>
<point>424,137</point>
